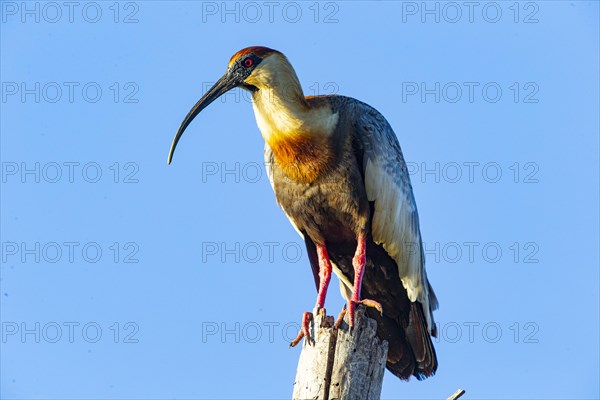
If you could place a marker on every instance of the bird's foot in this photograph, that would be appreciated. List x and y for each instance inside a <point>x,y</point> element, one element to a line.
<point>307,317</point>
<point>340,318</point>
<point>304,329</point>
<point>352,308</point>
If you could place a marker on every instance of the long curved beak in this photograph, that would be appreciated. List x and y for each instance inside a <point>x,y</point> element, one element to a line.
<point>223,85</point>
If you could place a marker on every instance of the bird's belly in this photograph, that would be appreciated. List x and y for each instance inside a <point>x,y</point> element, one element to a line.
<point>329,210</point>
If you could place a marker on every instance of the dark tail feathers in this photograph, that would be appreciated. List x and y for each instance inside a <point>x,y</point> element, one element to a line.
<point>424,361</point>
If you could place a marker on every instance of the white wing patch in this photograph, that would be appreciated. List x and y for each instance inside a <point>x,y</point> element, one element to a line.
<point>395,223</point>
<point>394,227</point>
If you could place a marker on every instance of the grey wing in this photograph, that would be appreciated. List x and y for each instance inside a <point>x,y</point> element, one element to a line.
<point>395,223</point>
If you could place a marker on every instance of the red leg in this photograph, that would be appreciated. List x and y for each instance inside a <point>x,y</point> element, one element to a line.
<point>324,278</point>
<point>324,275</point>
<point>358,262</point>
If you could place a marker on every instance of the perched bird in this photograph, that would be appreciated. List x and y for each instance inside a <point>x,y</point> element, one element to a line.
<point>339,175</point>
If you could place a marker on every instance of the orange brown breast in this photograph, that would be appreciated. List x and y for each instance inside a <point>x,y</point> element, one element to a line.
<point>302,157</point>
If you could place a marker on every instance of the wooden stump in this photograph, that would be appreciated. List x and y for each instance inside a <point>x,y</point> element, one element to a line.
<point>339,364</point>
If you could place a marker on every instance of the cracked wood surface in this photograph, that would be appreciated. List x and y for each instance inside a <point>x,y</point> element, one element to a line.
<point>341,365</point>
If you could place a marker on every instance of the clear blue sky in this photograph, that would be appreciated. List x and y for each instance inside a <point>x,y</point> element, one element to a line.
<point>186,281</point>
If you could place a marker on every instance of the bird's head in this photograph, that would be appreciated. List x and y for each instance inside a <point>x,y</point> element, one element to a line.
<point>252,68</point>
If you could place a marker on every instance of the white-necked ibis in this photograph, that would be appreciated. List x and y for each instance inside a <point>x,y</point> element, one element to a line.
<point>338,173</point>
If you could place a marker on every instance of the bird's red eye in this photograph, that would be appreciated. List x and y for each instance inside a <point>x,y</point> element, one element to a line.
<point>248,62</point>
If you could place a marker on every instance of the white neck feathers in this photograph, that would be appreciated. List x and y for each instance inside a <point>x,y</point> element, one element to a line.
<point>279,105</point>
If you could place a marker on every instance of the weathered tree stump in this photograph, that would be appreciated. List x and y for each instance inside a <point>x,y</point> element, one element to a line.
<point>340,364</point>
